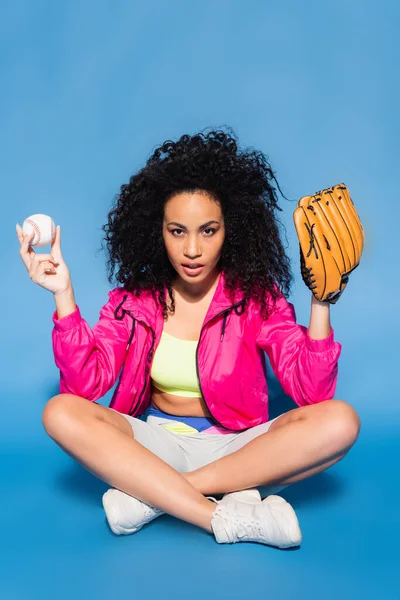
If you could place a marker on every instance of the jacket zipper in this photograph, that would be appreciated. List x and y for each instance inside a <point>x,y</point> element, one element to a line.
<point>148,357</point>
<point>226,311</point>
<point>150,352</point>
<point>132,334</point>
<point>119,318</point>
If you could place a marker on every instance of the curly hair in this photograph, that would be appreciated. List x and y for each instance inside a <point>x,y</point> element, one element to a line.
<point>253,258</point>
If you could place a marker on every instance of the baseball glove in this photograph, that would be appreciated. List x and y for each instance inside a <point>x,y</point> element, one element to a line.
<point>331,241</point>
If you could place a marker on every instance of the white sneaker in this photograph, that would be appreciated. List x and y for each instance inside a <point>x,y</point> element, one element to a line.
<point>126,514</point>
<point>271,521</point>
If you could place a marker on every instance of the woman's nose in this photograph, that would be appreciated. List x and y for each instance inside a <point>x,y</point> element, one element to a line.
<point>192,248</point>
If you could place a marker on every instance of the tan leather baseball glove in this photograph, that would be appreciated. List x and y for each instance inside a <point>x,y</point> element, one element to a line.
<point>331,241</point>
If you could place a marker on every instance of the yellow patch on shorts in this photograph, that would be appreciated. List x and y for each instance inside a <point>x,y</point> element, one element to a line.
<point>180,428</point>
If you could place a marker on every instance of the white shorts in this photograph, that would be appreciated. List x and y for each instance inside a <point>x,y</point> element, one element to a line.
<point>188,452</point>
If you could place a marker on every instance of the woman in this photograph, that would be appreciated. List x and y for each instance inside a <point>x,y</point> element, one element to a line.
<point>204,276</point>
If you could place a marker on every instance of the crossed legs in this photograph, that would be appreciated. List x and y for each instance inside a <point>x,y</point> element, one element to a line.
<point>301,443</point>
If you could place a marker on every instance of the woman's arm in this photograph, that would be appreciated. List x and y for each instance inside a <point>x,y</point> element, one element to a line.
<point>305,361</point>
<point>65,303</point>
<point>320,325</point>
<point>89,359</point>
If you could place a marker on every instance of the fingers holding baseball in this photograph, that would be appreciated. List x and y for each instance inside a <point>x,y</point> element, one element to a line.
<point>47,270</point>
<point>56,246</point>
<point>26,252</point>
<point>42,263</point>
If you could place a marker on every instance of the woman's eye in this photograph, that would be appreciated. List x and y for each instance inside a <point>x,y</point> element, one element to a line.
<point>173,231</point>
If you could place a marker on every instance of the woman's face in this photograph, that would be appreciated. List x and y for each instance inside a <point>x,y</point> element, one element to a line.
<point>194,232</point>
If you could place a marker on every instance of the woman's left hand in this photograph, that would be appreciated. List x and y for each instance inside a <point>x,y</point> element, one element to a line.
<point>331,241</point>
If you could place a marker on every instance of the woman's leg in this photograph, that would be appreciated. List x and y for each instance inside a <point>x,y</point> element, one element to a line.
<point>299,444</point>
<point>102,441</point>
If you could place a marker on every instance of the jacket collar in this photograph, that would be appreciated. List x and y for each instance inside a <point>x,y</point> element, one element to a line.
<point>144,307</point>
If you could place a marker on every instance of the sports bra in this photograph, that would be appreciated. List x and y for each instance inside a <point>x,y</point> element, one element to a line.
<point>174,367</point>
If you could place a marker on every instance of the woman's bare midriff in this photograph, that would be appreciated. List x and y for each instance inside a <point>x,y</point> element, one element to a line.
<point>179,405</point>
<point>184,324</point>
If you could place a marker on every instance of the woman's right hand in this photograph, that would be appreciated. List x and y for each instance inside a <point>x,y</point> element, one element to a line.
<point>47,270</point>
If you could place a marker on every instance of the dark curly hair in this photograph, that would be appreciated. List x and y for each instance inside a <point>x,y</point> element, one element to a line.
<point>252,258</point>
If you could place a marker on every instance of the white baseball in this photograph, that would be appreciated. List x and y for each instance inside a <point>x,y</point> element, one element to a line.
<point>44,228</point>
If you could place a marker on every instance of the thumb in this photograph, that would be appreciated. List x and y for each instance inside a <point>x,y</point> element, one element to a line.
<point>56,245</point>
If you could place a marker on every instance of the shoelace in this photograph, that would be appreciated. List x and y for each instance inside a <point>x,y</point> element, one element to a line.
<point>250,527</point>
<point>149,510</point>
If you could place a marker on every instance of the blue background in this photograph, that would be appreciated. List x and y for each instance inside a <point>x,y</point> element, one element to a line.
<point>87,90</point>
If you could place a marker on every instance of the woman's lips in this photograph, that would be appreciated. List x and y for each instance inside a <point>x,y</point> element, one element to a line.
<point>192,272</point>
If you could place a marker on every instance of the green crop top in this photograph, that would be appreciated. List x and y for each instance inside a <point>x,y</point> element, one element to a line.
<point>174,367</point>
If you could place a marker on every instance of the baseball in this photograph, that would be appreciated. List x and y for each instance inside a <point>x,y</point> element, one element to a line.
<point>44,228</point>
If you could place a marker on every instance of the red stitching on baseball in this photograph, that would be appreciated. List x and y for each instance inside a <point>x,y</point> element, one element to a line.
<point>35,227</point>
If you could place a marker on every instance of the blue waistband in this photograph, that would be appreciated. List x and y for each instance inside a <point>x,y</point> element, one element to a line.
<point>199,423</point>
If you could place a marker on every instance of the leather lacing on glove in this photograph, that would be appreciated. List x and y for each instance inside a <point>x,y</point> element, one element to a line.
<point>308,273</point>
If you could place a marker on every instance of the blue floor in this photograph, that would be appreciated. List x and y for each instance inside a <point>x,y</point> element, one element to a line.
<point>56,542</point>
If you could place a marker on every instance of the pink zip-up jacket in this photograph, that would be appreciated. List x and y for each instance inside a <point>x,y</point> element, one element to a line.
<point>231,366</point>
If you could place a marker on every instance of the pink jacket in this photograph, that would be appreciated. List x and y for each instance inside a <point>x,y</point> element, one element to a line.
<point>230,362</point>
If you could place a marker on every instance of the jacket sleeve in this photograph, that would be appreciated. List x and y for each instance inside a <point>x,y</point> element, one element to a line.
<point>307,369</point>
<point>89,360</point>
